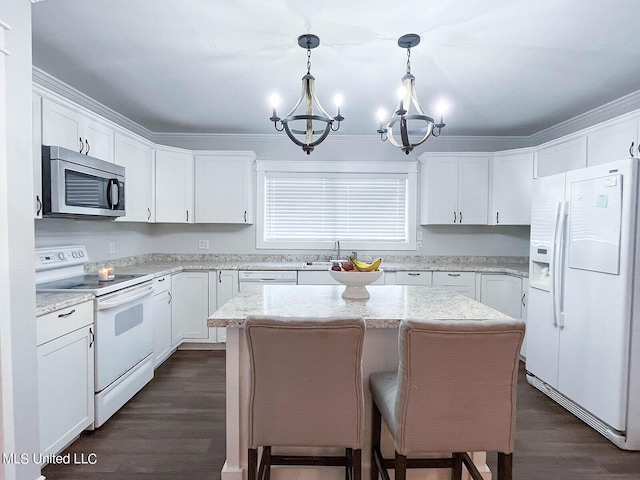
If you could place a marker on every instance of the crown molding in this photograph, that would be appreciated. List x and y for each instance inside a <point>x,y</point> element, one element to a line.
<point>45,80</point>
<point>615,108</point>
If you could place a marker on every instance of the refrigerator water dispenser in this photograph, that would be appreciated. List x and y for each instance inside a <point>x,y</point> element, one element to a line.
<point>539,272</point>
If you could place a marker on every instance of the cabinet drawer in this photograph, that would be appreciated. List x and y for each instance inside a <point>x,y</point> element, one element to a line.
<point>58,323</point>
<point>454,278</point>
<point>161,284</point>
<point>413,278</point>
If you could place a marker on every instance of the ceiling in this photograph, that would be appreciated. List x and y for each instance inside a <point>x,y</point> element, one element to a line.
<point>505,67</point>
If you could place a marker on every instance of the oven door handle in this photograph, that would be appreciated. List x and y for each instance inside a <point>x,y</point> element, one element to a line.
<point>120,300</point>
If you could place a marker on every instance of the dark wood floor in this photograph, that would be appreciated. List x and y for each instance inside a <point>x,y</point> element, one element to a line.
<point>174,430</point>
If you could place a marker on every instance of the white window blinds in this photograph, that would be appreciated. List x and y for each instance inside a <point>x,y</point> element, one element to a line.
<point>319,207</point>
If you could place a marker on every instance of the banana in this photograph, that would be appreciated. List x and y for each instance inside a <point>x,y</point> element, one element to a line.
<point>364,266</point>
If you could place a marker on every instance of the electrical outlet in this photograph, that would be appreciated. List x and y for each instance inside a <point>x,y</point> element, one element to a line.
<point>112,247</point>
<point>419,245</point>
<point>203,244</point>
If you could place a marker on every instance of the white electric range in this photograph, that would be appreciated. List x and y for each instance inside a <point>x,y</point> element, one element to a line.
<point>122,319</point>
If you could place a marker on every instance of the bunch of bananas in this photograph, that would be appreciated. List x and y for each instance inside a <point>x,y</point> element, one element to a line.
<point>364,266</point>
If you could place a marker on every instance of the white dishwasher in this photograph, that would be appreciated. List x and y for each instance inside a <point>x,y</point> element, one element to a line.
<point>267,277</point>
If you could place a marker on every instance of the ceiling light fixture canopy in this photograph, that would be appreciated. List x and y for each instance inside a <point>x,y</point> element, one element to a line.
<point>404,137</point>
<point>305,121</point>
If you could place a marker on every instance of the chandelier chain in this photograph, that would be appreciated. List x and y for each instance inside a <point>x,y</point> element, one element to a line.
<point>408,61</point>
<point>308,61</point>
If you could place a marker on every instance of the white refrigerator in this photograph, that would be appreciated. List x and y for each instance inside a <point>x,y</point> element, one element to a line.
<point>583,325</point>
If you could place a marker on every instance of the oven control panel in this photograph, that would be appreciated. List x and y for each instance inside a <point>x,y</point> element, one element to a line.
<point>58,257</point>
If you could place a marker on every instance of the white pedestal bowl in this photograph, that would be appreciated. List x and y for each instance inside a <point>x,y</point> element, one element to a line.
<point>355,282</point>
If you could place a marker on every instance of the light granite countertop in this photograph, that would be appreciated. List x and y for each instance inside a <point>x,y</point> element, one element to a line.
<point>385,308</point>
<point>167,264</point>
<point>158,264</point>
<point>47,302</point>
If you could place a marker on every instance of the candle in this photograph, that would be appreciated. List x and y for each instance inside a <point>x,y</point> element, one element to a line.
<point>103,274</point>
<point>111,274</point>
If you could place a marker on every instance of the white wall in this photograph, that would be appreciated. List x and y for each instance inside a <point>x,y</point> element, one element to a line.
<point>17,290</point>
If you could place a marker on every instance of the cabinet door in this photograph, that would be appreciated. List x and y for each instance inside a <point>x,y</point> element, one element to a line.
<point>61,126</point>
<point>612,142</point>
<point>524,302</point>
<point>162,335</point>
<point>223,188</point>
<point>36,116</point>
<point>226,287</point>
<point>174,186</point>
<point>137,158</point>
<point>502,292</point>
<point>190,292</point>
<point>98,139</point>
<point>561,157</point>
<point>473,190</point>
<point>439,191</point>
<point>511,186</point>
<point>65,389</point>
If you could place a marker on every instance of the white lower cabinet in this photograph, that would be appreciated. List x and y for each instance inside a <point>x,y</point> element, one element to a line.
<point>223,284</point>
<point>323,277</point>
<point>65,376</point>
<point>507,294</point>
<point>190,306</point>
<point>162,333</point>
<point>461,282</point>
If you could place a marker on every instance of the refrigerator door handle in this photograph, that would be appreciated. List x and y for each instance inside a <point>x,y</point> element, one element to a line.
<point>558,260</point>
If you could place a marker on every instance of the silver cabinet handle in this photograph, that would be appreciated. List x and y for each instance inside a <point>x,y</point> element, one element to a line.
<point>631,149</point>
<point>88,146</point>
<point>81,145</point>
<point>453,274</point>
<point>39,204</point>
<point>68,314</point>
<point>524,296</point>
<point>497,217</point>
<point>455,218</point>
<point>170,298</point>
<point>93,337</point>
<point>149,215</point>
<point>245,216</point>
<point>219,276</point>
<point>413,274</point>
<point>460,217</point>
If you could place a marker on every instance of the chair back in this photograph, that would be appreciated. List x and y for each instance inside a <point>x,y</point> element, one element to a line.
<point>306,381</point>
<point>457,385</point>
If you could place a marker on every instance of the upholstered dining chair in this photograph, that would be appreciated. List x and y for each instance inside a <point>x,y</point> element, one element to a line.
<point>454,392</point>
<point>306,390</point>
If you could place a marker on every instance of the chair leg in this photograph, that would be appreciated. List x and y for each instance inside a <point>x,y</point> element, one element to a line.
<point>400,467</point>
<point>265,464</point>
<point>252,464</point>
<point>456,468</point>
<point>505,466</point>
<point>348,469</point>
<point>376,427</point>
<point>357,465</point>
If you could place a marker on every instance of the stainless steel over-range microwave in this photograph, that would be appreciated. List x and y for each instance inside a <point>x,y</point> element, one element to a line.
<point>74,184</point>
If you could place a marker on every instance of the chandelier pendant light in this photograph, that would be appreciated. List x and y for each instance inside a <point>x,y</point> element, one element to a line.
<point>406,130</point>
<point>307,129</point>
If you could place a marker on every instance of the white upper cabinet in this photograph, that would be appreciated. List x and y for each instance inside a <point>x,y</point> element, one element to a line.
<point>454,190</point>
<point>174,185</point>
<point>224,185</point>
<point>561,157</point>
<point>137,159</point>
<point>68,128</point>
<point>615,141</point>
<point>511,182</point>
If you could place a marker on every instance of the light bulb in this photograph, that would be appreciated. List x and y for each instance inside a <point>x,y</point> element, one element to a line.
<point>402,91</point>
<point>441,108</point>
<point>275,100</point>
<point>338,100</point>
<point>382,115</point>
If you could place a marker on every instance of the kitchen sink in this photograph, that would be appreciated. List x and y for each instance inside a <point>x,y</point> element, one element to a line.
<point>325,263</point>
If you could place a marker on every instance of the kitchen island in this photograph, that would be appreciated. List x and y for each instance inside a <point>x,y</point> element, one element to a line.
<point>382,312</point>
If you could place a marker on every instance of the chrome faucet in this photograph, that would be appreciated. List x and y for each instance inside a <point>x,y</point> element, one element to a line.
<point>336,247</point>
<point>355,255</point>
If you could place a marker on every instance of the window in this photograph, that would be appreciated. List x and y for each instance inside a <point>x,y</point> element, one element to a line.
<point>311,209</point>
